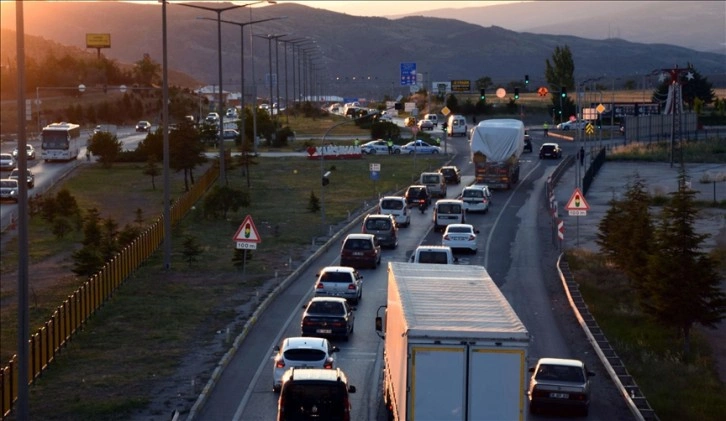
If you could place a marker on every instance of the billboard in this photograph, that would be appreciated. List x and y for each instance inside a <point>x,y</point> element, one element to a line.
<point>98,40</point>
<point>461,85</point>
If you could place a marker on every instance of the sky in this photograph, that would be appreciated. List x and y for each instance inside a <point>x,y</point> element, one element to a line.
<point>383,8</point>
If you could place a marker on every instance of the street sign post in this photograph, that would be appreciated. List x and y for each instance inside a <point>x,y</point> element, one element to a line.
<point>577,206</point>
<point>247,236</point>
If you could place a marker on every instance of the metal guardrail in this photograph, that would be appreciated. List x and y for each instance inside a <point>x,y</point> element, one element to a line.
<point>629,390</point>
<point>73,313</point>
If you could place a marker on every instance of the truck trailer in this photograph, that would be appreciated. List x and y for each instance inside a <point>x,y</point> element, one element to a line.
<point>454,348</point>
<point>496,146</point>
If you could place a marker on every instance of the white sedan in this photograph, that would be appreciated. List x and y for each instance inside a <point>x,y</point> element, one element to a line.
<point>460,236</point>
<point>379,146</point>
<point>420,147</point>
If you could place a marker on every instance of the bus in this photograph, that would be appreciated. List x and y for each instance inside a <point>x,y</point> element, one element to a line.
<point>61,142</point>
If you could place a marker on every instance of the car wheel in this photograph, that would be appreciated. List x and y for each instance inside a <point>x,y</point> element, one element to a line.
<point>435,152</point>
<point>396,151</point>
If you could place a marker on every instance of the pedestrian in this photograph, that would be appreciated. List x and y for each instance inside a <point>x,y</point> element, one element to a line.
<point>390,146</point>
<point>582,155</point>
<point>356,142</point>
<point>546,129</point>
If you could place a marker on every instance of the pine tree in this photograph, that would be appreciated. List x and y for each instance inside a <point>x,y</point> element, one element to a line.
<point>682,281</point>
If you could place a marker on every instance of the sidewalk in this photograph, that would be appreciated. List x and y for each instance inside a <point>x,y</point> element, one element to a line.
<point>660,179</point>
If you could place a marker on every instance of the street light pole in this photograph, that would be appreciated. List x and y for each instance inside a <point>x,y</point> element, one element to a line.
<point>220,134</point>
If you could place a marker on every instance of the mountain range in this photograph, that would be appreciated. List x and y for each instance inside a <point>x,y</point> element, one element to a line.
<point>355,56</point>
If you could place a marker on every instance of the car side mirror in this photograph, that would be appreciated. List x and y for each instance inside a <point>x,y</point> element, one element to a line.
<point>379,324</point>
<point>335,349</point>
<point>276,349</point>
<point>476,231</point>
<point>351,389</point>
<point>531,369</point>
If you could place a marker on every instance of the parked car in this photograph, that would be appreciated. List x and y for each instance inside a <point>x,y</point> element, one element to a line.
<point>419,147</point>
<point>550,150</point>
<point>328,317</point>
<point>460,236</point>
<point>143,126</point>
<point>451,173</point>
<point>561,383</point>
<point>339,281</point>
<point>383,227</point>
<point>417,192</point>
<point>476,198</point>
<point>314,393</point>
<point>9,190</point>
<point>230,134</point>
<point>425,125</point>
<point>378,146</point>
<point>7,162</point>
<point>29,152</point>
<point>360,250</point>
<point>30,177</point>
<point>572,124</point>
<point>300,352</point>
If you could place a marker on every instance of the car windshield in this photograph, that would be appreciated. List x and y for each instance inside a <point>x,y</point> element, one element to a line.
<point>358,244</point>
<point>472,193</point>
<point>560,373</point>
<point>304,354</point>
<point>335,277</point>
<point>326,307</point>
<point>439,257</point>
<point>449,208</point>
<point>326,400</point>
<point>431,179</point>
<point>459,229</point>
<point>378,224</point>
<point>391,204</point>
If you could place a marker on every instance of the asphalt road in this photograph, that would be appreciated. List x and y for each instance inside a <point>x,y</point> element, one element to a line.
<point>514,247</point>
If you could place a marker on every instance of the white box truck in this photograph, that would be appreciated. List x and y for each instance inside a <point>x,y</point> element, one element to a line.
<point>454,347</point>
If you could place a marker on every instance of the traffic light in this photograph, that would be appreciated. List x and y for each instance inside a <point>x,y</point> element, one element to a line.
<point>526,79</point>
<point>398,106</point>
<point>563,92</point>
<point>516,93</point>
<point>482,94</point>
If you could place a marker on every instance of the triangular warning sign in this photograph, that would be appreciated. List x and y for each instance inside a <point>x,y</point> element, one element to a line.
<point>247,232</point>
<point>577,201</point>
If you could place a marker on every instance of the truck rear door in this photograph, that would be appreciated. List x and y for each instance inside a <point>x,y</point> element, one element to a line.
<point>438,383</point>
<point>497,383</point>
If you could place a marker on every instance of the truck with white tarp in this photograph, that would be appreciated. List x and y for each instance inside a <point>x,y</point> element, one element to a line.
<point>454,347</point>
<point>496,146</point>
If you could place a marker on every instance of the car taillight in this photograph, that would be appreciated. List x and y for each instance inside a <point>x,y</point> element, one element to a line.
<point>540,393</point>
<point>319,285</point>
<point>472,237</point>
<point>306,322</point>
<point>328,364</point>
<point>338,324</point>
<point>446,237</point>
<point>351,286</point>
<point>577,396</point>
<point>280,364</point>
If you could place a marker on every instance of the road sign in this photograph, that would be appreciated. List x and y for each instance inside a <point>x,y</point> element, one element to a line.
<point>374,167</point>
<point>589,129</point>
<point>561,230</point>
<point>542,91</point>
<point>577,206</point>
<point>247,236</point>
<point>600,108</point>
<point>460,85</point>
<point>445,110</point>
<point>408,74</point>
<point>375,175</point>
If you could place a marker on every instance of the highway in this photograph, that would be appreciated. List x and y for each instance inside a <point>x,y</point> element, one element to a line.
<point>514,247</point>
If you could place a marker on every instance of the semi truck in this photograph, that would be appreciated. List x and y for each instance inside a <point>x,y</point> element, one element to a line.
<point>454,349</point>
<point>496,146</point>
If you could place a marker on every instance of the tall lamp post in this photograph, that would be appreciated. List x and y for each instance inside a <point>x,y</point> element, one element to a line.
<point>287,95</point>
<point>269,38</point>
<point>222,174</point>
<point>242,62</point>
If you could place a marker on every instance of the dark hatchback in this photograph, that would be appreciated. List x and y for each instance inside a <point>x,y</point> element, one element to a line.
<point>415,193</point>
<point>550,150</point>
<point>451,173</point>
<point>360,250</point>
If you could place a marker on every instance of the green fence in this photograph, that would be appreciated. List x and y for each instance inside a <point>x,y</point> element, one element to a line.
<point>99,288</point>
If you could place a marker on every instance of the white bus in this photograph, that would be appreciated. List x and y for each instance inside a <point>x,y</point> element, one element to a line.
<point>61,142</point>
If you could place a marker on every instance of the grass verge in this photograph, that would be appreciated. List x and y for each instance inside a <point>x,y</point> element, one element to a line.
<point>140,337</point>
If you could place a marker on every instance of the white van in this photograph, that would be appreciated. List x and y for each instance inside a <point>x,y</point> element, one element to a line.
<point>396,207</point>
<point>434,118</point>
<point>434,254</point>
<point>456,126</point>
<point>435,182</point>
<point>448,211</point>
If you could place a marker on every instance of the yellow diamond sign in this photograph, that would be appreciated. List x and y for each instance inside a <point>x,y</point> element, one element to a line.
<point>600,109</point>
<point>445,111</point>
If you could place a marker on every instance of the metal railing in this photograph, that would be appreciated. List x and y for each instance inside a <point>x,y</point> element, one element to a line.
<point>73,313</point>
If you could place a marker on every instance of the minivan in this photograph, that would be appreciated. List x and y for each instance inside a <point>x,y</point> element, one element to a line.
<point>434,118</point>
<point>383,227</point>
<point>434,254</point>
<point>456,126</point>
<point>448,211</point>
<point>314,393</point>
<point>435,182</point>
<point>396,207</point>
